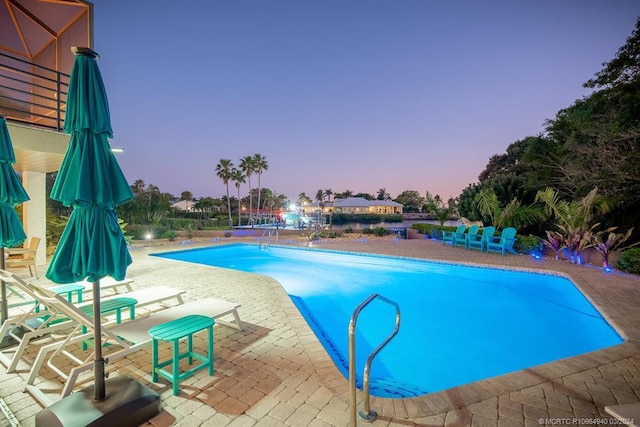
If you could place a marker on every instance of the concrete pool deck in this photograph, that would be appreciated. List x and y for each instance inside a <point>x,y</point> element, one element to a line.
<point>276,372</point>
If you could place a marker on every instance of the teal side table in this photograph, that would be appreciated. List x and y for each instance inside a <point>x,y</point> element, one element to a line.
<point>173,332</point>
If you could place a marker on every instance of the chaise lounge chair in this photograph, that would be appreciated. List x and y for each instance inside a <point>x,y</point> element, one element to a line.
<point>119,340</point>
<point>480,241</point>
<point>504,242</point>
<point>42,319</point>
<point>448,236</point>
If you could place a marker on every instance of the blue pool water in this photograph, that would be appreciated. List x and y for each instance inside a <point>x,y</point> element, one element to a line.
<point>459,324</point>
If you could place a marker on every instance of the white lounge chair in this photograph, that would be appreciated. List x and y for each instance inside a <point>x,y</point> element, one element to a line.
<point>123,339</point>
<point>32,324</point>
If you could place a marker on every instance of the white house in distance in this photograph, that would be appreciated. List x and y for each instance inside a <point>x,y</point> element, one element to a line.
<point>183,205</point>
<point>354,205</point>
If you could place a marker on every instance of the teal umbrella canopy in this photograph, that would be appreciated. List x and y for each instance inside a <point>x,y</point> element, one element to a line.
<point>87,103</point>
<point>11,193</point>
<point>92,245</point>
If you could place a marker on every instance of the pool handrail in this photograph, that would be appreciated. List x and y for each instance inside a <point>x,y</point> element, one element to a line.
<point>366,414</point>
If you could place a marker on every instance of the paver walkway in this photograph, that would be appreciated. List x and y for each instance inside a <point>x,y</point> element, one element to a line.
<point>276,373</point>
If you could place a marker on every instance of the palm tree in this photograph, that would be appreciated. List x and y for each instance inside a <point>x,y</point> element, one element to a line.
<point>260,165</point>
<point>383,195</point>
<point>513,215</point>
<point>247,165</point>
<point>223,171</point>
<point>238,178</point>
<point>577,214</point>
<point>328,193</point>
<point>187,196</point>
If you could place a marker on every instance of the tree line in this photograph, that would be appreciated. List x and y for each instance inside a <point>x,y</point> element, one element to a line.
<point>590,148</point>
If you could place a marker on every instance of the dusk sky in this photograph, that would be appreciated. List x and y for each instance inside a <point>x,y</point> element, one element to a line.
<point>342,94</point>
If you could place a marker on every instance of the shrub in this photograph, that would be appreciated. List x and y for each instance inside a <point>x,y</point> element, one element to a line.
<point>380,231</point>
<point>431,230</point>
<point>140,232</point>
<point>169,234</point>
<point>629,261</point>
<point>330,234</point>
<point>528,244</point>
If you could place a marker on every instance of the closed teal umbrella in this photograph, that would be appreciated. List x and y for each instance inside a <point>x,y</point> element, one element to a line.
<point>11,193</point>
<point>92,245</point>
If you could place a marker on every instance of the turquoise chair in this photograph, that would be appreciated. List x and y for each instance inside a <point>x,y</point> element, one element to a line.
<point>461,239</point>
<point>479,241</point>
<point>448,236</point>
<point>505,242</point>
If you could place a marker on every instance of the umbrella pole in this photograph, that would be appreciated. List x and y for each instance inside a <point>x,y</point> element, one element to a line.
<point>4,310</point>
<point>98,369</point>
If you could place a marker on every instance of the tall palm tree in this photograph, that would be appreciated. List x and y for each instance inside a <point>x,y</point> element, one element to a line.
<point>328,193</point>
<point>187,196</point>
<point>247,165</point>
<point>383,195</point>
<point>223,171</point>
<point>238,178</point>
<point>260,165</point>
<point>303,198</point>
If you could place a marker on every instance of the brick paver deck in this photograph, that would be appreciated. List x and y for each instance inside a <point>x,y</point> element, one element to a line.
<point>276,373</point>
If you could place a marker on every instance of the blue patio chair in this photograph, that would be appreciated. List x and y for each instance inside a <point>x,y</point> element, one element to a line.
<point>479,241</point>
<point>505,242</point>
<point>462,239</point>
<point>448,236</point>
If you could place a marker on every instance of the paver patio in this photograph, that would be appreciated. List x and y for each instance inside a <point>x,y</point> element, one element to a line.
<point>277,373</point>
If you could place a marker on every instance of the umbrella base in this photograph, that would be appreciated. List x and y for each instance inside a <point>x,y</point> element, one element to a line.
<point>128,403</point>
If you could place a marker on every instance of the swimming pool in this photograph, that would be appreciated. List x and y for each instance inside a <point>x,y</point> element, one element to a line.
<point>459,323</point>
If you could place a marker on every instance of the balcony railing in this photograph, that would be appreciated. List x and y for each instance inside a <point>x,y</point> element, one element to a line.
<point>32,94</point>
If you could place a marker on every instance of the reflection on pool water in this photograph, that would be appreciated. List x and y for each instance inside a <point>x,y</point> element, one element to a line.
<point>459,324</point>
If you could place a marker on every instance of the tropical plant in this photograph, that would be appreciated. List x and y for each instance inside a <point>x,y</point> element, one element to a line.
<point>610,243</point>
<point>629,261</point>
<point>223,171</point>
<point>187,196</point>
<point>247,165</point>
<point>576,241</point>
<point>259,165</point>
<point>515,214</point>
<point>442,214</point>
<point>555,242</point>
<point>383,195</point>
<point>328,192</point>
<point>123,226</point>
<point>576,214</point>
<point>238,178</point>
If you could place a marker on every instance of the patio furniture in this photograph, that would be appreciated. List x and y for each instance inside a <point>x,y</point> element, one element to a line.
<point>480,241</point>
<point>119,340</point>
<point>24,257</point>
<point>503,243</point>
<point>173,332</point>
<point>448,236</point>
<point>462,239</point>
<point>40,319</point>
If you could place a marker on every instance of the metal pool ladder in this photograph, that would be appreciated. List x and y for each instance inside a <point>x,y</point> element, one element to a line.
<point>265,239</point>
<point>366,414</point>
